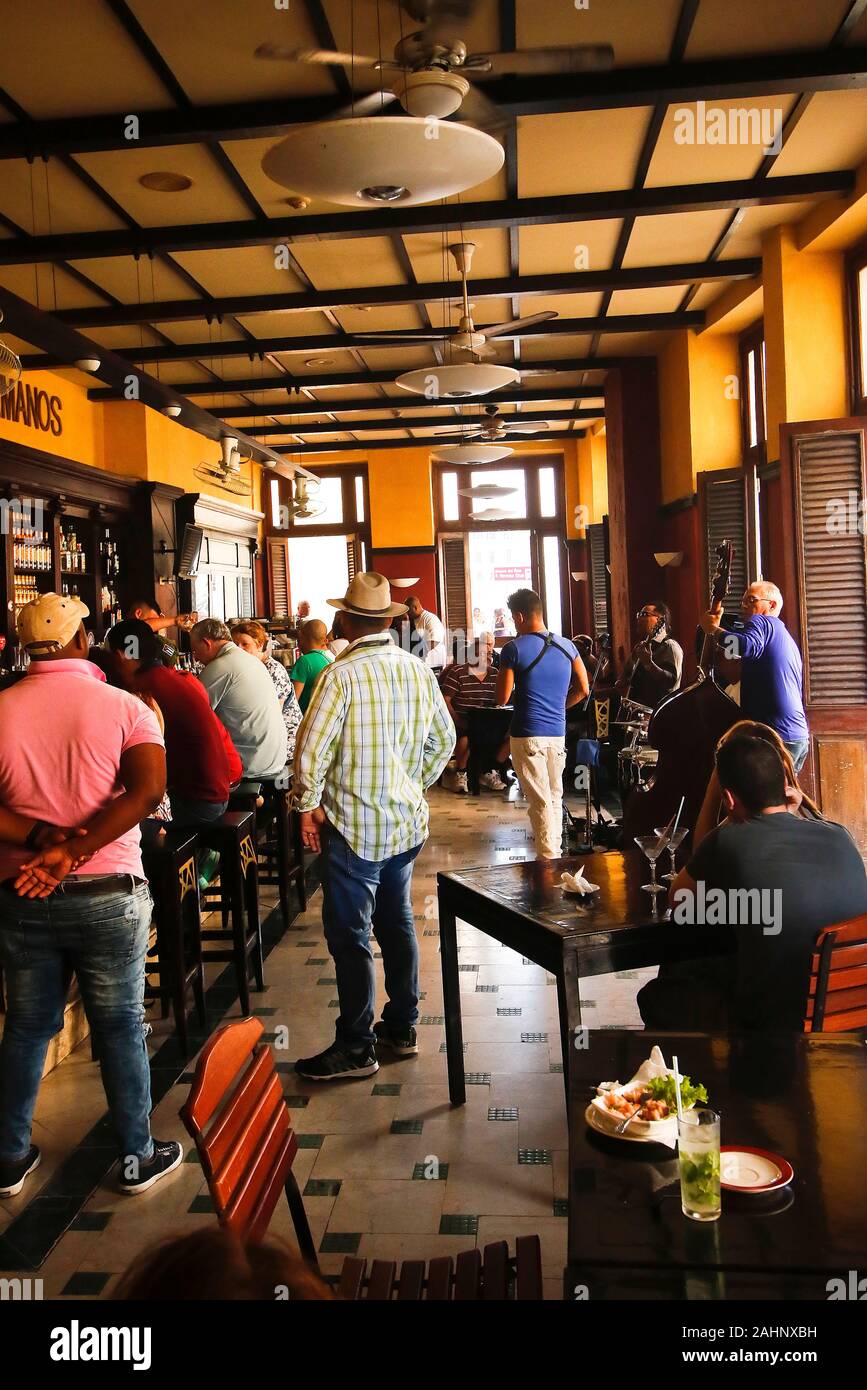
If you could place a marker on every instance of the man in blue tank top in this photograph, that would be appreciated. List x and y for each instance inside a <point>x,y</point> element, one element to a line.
<point>543,675</point>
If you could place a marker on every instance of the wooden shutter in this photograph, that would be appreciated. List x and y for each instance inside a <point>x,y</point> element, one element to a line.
<point>598,578</point>
<point>353,557</point>
<point>454,582</point>
<point>830,507</point>
<point>728,516</point>
<point>278,577</point>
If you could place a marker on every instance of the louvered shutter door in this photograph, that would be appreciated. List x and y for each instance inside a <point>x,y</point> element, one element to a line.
<point>726,520</point>
<point>830,470</point>
<point>454,582</point>
<point>278,576</point>
<point>352,557</point>
<point>598,578</point>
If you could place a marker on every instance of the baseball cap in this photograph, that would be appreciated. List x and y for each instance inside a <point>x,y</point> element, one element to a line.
<point>49,622</point>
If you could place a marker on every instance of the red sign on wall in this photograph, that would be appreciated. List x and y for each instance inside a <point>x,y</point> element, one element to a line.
<point>512,572</point>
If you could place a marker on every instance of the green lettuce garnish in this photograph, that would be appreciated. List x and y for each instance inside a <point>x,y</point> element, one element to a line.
<point>663,1088</point>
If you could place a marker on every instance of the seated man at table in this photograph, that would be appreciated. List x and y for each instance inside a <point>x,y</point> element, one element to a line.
<point>244,699</point>
<point>775,880</point>
<point>467,686</point>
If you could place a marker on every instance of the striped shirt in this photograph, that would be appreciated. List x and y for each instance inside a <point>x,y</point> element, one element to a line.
<point>466,691</point>
<point>375,736</point>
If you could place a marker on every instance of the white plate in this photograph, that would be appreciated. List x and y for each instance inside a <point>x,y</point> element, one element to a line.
<point>753,1170</point>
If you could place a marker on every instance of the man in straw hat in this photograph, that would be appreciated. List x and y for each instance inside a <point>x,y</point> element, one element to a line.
<point>75,752</point>
<point>376,734</point>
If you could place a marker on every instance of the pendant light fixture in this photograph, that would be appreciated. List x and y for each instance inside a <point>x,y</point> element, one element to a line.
<point>458,381</point>
<point>371,161</point>
<point>471,453</point>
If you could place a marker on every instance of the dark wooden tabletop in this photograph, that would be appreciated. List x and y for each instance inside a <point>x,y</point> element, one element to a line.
<point>620,917</point>
<point>803,1096</point>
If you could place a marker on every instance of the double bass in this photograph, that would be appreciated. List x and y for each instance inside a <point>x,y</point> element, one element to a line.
<point>685,729</point>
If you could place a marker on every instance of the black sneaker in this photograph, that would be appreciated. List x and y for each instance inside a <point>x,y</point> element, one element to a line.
<point>14,1175</point>
<point>166,1158</point>
<point>337,1063</point>
<point>403,1041</point>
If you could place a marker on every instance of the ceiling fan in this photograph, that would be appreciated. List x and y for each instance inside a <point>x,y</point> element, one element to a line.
<point>467,338</point>
<point>488,491</point>
<point>493,428</point>
<point>303,506</point>
<point>431,66</point>
<point>10,367</point>
<point>227,473</point>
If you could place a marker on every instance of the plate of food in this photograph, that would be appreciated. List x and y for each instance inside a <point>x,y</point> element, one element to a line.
<point>743,1169</point>
<point>648,1102</point>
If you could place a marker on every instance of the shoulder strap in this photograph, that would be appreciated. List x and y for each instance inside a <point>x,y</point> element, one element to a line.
<point>547,643</point>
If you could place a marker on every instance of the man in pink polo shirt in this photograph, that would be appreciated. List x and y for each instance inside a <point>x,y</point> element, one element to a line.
<point>80,765</point>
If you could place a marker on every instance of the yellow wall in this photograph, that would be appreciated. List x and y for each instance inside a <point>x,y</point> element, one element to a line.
<point>599,457</point>
<point>699,409</point>
<point>81,421</point>
<point>805,333</point>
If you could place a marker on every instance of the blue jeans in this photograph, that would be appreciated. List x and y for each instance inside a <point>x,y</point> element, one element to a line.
<point>102,938</point>
<point>799,748</point>
<point>360,894</point>
<point>188,812</point>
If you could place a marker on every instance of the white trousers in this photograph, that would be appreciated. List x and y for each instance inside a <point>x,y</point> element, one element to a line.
<point>539,764</point>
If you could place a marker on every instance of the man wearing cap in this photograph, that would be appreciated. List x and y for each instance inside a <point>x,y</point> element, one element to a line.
<point>82,764</point>
<point>375,736</point>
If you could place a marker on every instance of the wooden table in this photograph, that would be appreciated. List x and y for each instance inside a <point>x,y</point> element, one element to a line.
<point>521,905</point>
<point>803,1096</point>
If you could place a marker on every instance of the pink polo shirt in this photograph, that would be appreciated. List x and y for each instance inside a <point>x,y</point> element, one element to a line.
<point>62,732</point>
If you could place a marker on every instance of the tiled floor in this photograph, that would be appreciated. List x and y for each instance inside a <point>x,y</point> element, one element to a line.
<point>387,1167</point>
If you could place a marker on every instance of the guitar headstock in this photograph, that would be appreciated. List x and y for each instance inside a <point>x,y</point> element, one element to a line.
<point>725,554</point>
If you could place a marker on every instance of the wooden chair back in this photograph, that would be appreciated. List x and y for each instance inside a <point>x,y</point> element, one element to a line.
<point>475,1276</point>
<point>237,1115</point>
<point>837,995</point>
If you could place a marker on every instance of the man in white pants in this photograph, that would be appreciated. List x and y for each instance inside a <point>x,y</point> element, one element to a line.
<point>542,674</point>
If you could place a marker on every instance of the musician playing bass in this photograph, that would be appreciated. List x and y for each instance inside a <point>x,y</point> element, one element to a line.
<point>655,664</point>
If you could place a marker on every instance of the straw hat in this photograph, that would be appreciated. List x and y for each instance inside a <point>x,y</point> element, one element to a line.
<point>369,596</point>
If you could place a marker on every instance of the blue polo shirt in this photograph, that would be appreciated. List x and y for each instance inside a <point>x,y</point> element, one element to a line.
<point>540,696</point>
<point>772,677</point>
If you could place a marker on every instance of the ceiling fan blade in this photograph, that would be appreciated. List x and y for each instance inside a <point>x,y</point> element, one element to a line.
<point>535,428</point>
<point>478,110</point>
<point>592,57</point>
<point>369,105</point>
<point>497,329</point>
<point>278,53</point>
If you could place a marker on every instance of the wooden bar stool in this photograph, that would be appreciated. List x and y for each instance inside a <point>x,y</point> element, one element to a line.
<point>170,869</point>
<point>233,837</point>
<point>474,1277</point>
<point>278,843</point>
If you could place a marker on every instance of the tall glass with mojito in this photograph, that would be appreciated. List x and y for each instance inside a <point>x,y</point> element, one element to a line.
<point>699,1162</point>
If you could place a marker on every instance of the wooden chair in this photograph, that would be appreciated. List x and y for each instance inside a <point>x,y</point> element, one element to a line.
<point>239,940</point>
<point>240,1123</point>
<point>837,995</point>
<point>170,869</point>
<point>474,1277</point>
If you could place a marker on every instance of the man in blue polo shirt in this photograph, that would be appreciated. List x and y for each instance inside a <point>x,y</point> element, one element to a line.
<point>764,657</point>
<point>546,676</point>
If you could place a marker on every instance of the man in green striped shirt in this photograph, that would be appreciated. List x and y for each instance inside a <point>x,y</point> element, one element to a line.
<point>375,736</point>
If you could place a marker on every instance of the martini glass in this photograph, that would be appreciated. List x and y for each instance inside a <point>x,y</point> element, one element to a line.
<point>651,847</point>
<point>675,840</point>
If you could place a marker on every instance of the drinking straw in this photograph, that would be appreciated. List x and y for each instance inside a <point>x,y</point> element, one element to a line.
<point>677,817</point>
<point>676,1070</point>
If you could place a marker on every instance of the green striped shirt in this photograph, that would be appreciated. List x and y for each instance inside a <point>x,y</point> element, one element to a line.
<point>375,736</point>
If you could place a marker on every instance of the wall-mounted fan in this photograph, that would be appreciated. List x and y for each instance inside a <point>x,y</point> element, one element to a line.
<point>467,338</point>
<point>428,74</point>
<point>227,473</point>
<point>10,367</point>
<point>303,506</point>
<point>493,428</point>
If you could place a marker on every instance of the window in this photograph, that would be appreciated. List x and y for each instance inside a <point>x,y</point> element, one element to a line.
<point>450,501</point>
<point>513,481</point>
<point>314,557</point>
<point>547,492</point>
<point>329,495</point>
<point>858,326</point>
<point>753,396</point>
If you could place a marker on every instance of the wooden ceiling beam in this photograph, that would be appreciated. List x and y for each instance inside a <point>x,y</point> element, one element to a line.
<point>505,287</point>
<point>426,442</point>
<point>339,342</point>
<point>716,79</point>
<point>301,405</point>
<point>525,212</point>
<point>420,422</point>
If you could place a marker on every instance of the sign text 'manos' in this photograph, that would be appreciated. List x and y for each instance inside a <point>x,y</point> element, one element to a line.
<point>30,405</point>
